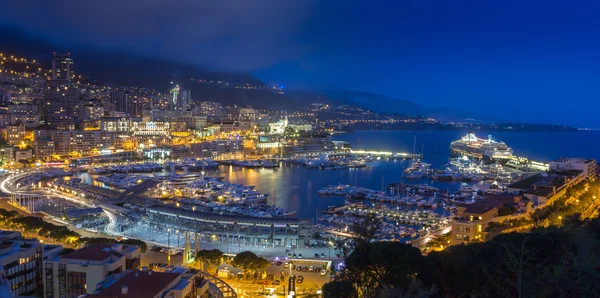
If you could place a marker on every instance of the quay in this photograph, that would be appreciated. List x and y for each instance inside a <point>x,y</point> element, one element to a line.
<point>388,154</point>
<point>251,230</point>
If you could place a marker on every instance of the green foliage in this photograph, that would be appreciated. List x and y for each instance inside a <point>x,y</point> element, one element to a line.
<point>546,262</point>
<point>97,240</point>
<point>340,289</point>
<point>100,240</point>
<point>37,225</point>
<point>212,258</point>
<point>250,262</point>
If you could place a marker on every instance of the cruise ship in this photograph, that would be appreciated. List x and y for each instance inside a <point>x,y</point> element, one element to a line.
<point>484,149</point>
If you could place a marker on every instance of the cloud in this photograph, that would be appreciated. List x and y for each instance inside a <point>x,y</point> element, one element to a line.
<point>224,34</point>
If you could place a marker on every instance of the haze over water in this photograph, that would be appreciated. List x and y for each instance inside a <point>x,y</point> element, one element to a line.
<point>295,187</point>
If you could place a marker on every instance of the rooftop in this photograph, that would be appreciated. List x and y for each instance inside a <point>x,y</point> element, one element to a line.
<point>138,284</point>
<point>574,159</point>
<point>526,183</point>
<point>205,215</point>
<point>482,206</point>
<point>93,252</point>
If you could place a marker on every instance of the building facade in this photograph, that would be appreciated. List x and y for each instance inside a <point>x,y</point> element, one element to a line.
<point>21,261</point>
<point>78,272</point>
<point>62,67</point>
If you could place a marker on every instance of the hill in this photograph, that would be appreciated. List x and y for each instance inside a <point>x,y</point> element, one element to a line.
<point>128,69</point>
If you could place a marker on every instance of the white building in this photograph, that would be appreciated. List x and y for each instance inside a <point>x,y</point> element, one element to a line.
<point>587,166</point>
<point>80,271</point>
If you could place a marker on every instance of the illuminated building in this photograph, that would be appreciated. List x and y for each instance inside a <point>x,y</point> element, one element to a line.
<point>178,152</point>
<point>472,220</point>
<point>150,129</point>
<point>229,126</point>
<point>185,99</point>
<point>60,105</point>
<point>213,110</point>
<point>29,121</point>
<point>157,153</point>
<point>78,272</point>
<point>199,121</point>
<point>25,109</point>
<point>90,112</point>
<point>125,102</point>
<point>23,154</point>
<point>115,124</point>
<point>43,144</point>
<point>218,149</point>
<point>14,134</point>
<point>279,126</point>
<point>5,97</point>
<point>269,144</point>
<point>62,67</point>
<point>587,166</point>
<point>150,134</point>
<point>21,263</point>
<point>301,127</point>
<point>81,142</point>
<point>169,116</point>
<point>248,114</point>
<point>147,283</point>
<point>174,97</point>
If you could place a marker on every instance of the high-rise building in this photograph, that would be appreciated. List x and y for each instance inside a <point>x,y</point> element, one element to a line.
<point>14,134</point>
<point>5,97</point>
<point>44,144</point>
<point>213,110</point>
<point>62,67</point>
<point>174,97</point>
<point>82,142</point>
<point>60,105</point>
<point>185,99</point>
<point>125,102</point>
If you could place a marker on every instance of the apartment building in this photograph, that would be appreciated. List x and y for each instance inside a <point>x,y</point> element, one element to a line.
<point>82,142</point>
<point>78,272</point>
<point>147,283</point>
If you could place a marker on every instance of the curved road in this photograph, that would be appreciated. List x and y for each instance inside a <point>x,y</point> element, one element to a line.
<point>109,229</point>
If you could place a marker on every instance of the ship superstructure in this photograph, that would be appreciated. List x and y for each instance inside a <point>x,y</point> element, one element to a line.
<point>484,149</point>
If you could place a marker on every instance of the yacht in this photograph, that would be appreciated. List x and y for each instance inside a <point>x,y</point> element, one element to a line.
<point>417,170</point>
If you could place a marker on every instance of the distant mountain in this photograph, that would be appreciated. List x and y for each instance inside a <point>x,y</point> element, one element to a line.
<point>385,104</point>
<point>376,102</point>
<point>127,69</point>
<point>119,68</point>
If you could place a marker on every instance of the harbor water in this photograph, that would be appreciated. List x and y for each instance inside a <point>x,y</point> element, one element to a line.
<point>294,187</point>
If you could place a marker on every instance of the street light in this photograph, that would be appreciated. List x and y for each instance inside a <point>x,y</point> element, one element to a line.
<point>169,248</point>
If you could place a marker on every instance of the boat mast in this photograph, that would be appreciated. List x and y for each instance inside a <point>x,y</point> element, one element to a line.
<point>415,145</point>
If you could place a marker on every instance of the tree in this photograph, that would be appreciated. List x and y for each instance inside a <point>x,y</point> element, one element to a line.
<point>212,258</point>
<point>250,262</point>
<point>415,290</point>
<point>375,266</point>
<point>545,262</point>
<point>339,289</point>
<point>366,229</point>
<point>244,260</point>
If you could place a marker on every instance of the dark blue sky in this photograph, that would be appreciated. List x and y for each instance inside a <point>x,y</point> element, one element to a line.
<point>527,60</point>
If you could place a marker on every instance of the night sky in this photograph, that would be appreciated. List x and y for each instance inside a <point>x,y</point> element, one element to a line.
<point>527,60</point>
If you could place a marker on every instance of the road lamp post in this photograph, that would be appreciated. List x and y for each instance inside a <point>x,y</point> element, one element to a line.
<point>169,247</point>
